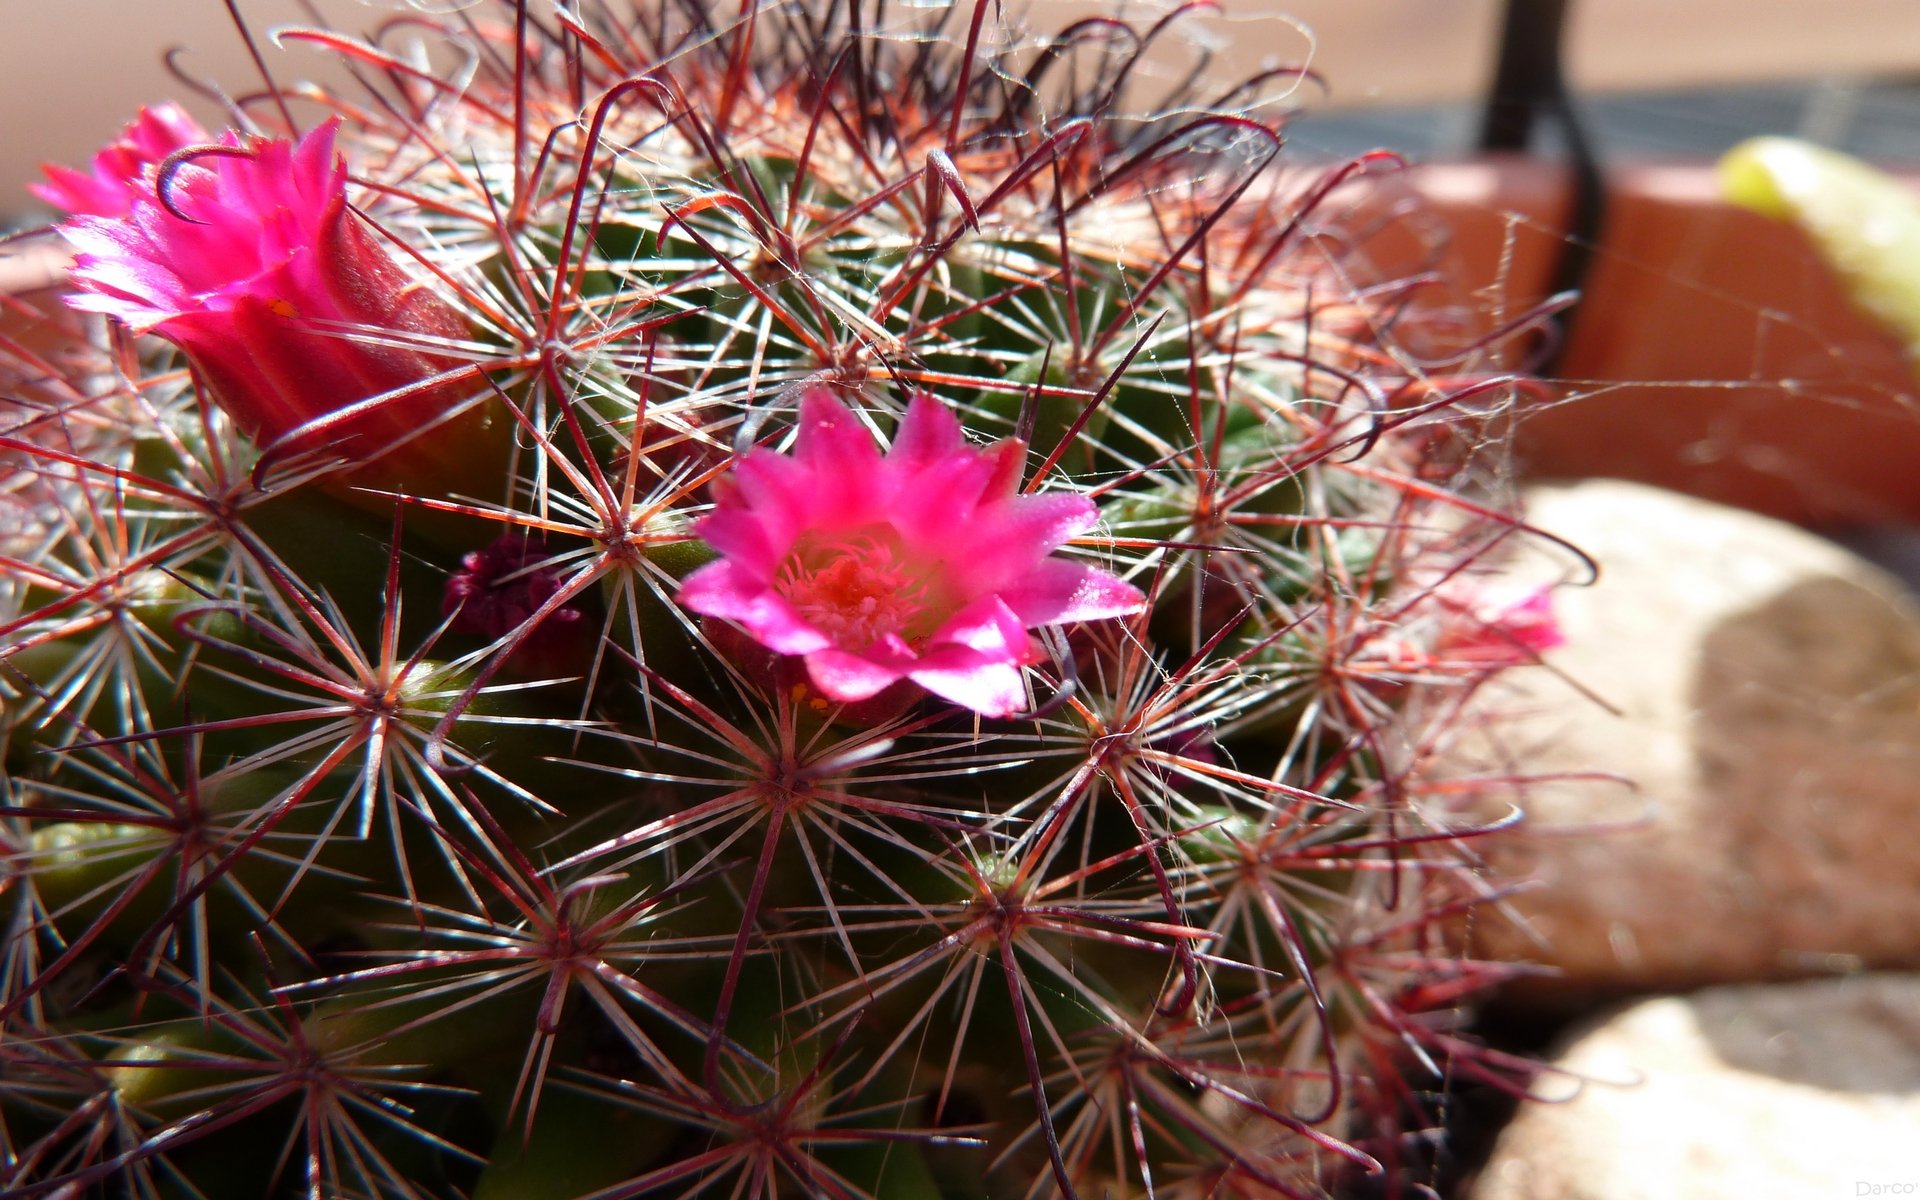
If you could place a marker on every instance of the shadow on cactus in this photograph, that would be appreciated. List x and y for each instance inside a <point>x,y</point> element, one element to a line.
<point>793,601</point>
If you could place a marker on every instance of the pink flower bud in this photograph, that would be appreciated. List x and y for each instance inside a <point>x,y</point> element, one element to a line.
<point>301,324</point>
<point>1492,623</point>
<point>499,589</point>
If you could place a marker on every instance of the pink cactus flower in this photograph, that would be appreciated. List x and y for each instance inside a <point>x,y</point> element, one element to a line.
<point>924,563</point>
<point>123,170</point>
<point>297,318</point>
<point>1498,624</point>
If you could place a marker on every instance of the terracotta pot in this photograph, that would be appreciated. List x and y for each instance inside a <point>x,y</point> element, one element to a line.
<point>1712,352</point>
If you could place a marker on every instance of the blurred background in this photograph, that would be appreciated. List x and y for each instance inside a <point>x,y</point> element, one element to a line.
<point>1659,76</point>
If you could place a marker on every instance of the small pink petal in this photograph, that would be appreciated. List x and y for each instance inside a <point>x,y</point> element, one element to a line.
<point>1007,459</point>
<point>832,438</point>
<point>853,677</point>
<point>1023,532</point>
<point>928,434</point>
<point>122,171</point>
<point>992,689</point>
<point>934,508</point>
<point>1531,623</point>
<point>1059,591</point>
<point>722,589</point>
<point>743,540</point>
<point>989,627</point>
<point>777,492</point>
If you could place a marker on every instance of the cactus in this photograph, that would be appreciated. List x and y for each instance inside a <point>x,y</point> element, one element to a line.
<point>801,600</point>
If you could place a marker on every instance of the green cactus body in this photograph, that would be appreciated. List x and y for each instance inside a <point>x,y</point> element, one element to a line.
<point>412,796</point>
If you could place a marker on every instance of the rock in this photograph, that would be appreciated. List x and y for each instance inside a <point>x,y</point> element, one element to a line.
<point>1764,688</point>
<point>1790,1091</point>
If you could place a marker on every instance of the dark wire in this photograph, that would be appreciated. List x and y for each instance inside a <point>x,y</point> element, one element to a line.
<point>1529,83</point>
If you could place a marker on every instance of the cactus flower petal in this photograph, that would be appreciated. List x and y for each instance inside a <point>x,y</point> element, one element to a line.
<point>1495,623</point>
<point>296,317</point>
<point>121,171</point>
<point>1058,591</point>
<point>923,563</point>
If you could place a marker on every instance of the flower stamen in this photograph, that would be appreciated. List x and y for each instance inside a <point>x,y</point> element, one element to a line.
<point>859,590</point>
